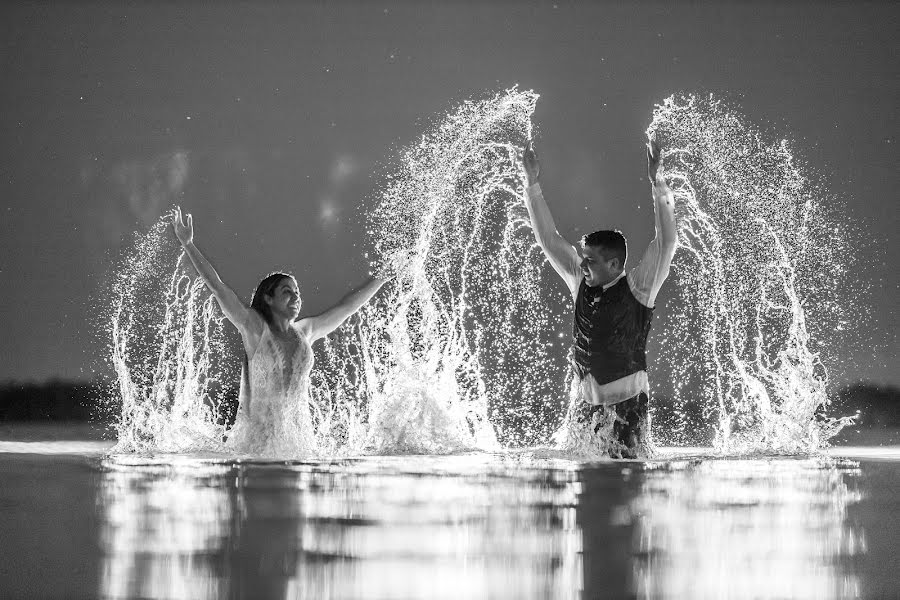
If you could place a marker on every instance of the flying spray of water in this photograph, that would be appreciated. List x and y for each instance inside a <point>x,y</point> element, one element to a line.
<point>461,350</point>
<point>759,264</point>
<point>458,352</point>
<point>168,350</point>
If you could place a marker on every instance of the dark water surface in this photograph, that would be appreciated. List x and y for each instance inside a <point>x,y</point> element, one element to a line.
<point>75,523</point>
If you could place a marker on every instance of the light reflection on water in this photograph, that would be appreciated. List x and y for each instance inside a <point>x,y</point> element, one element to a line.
<point>374,528</point>
<point>478,526</point>
<point>747,529</point>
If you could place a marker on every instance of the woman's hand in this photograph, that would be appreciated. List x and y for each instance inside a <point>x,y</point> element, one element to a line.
<point>184,230</point>
<point>392,264</point>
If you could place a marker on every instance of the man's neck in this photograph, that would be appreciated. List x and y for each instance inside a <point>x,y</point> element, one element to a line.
<point>614,281</point>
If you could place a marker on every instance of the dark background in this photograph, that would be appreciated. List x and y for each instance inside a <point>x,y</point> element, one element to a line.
<point>271,122</point>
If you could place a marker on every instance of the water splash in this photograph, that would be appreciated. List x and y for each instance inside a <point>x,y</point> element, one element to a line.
<point>759,264</point>
<point>458,352</point>
<point>168,350</point>
<point>461,350</point>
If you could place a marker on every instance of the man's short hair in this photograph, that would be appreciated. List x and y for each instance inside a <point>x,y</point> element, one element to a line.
<point>611,243</point>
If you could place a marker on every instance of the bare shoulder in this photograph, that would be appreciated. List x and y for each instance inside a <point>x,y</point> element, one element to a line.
<point>255,323</point>
<point>254,328</point>
<point>305,327</point>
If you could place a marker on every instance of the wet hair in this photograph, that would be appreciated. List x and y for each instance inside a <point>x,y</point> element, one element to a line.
<point>267,287</point>
<point>611,243</point>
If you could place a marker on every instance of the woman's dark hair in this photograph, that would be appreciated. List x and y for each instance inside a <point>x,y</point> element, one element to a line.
<point>267,287</point>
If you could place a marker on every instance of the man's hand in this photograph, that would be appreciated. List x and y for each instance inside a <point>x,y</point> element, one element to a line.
<point>654,155</point>
<point>531,163</point>
<point>184,230</point>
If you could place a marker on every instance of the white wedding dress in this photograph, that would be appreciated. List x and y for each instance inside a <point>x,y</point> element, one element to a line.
<point>273,418</point>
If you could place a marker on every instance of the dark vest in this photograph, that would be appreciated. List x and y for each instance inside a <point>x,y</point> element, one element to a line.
<point>610,332</point>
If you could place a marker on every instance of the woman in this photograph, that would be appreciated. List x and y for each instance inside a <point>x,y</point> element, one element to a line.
<point>273,412</point>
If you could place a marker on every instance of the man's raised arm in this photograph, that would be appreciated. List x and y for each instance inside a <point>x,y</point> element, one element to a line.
<point>561,254</point>
<point>663,205</point>
<point>648,276</point>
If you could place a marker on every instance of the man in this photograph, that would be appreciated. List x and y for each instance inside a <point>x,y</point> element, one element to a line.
<point>613,310</point>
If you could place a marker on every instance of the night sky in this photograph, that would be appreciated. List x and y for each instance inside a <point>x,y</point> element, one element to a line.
<point>271,123</point>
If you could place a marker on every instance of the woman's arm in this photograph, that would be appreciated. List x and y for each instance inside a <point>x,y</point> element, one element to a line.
<point>236,311</point>
<point>321,325</point>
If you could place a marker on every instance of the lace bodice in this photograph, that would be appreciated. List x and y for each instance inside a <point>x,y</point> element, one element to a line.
<point>273,415</point>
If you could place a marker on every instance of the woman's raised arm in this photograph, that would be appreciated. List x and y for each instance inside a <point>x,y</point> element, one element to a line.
<point>236,311</point>
<point>321,325</point>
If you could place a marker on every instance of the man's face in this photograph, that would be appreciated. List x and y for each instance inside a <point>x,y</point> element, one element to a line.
<point>596,269</point>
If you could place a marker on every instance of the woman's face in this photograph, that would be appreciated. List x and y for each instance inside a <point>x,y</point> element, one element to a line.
<point>285,298</point>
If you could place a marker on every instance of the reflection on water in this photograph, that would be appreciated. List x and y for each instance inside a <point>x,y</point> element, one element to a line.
<point>478,526</point>
<point>746,529</point>
<point>165,529</point>
<point>375,528</point>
